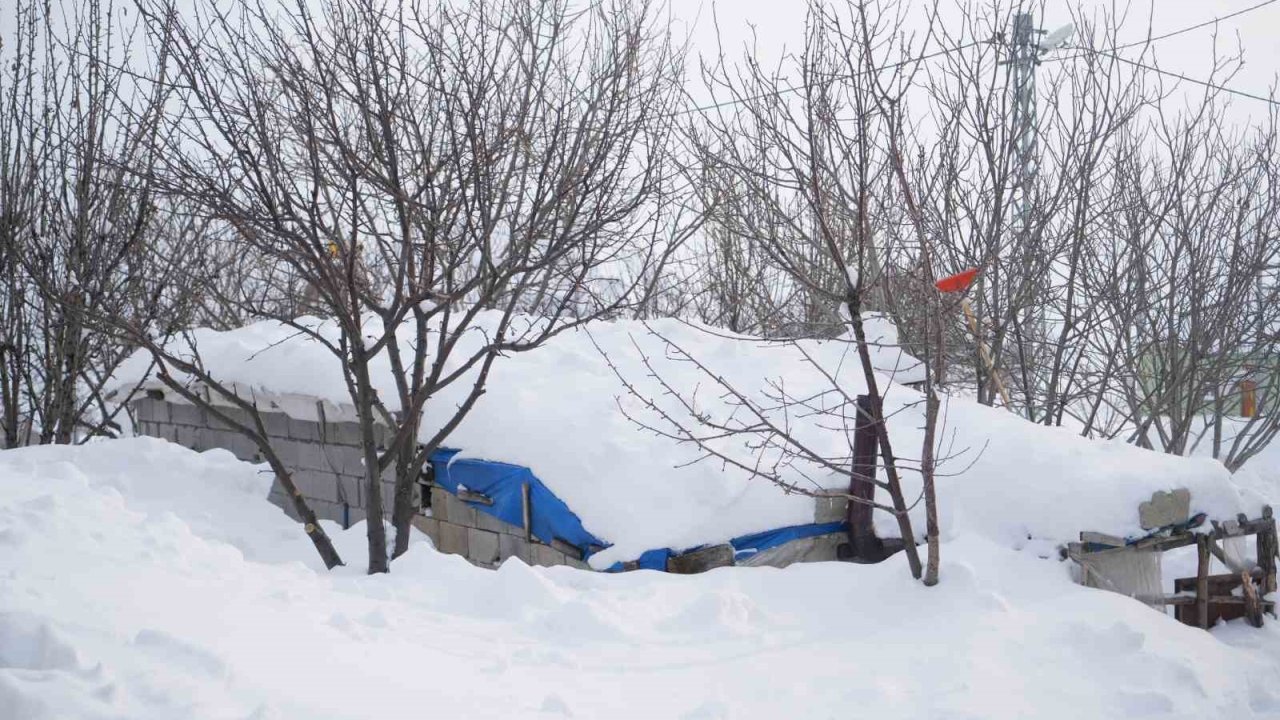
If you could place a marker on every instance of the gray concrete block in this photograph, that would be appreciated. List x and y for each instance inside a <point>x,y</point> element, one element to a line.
<point>485,521</point>
<point>547,556</point>
<point>453,539</point>
<point>234,414</point>
<point>235,443</point>
<point>189,436</point>
<point>184,414</point>
<point>428,526</point>
<point>459,512</point>
<point>308,430</point>
<point>830,509</point>
<point>1165,508</point>
<point>345,459</point>
<point>482,547</point>
<point>343,433</point>
<point>350,489</point>
<point>577,564</point>
<point>287,506</point>
<point>439,502</point>
<point>317,484</point>
<point>311,456</point>
<point>355,514</point>
<point>513,546</point>
<point>276,423</point>
<point>151,410</point>
<point>326,510</point>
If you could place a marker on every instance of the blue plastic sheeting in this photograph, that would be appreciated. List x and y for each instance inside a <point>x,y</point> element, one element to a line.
<point>550,517</point>
<point>749,545</point>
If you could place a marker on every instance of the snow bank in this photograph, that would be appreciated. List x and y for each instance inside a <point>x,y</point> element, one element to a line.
<point>556,410</point>
<point>141,580</point>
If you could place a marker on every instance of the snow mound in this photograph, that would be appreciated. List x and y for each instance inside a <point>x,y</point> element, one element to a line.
<point>556,410</point>
<point>152,582</point>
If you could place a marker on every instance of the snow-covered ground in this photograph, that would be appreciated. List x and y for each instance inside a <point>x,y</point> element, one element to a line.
<point>142,580</point>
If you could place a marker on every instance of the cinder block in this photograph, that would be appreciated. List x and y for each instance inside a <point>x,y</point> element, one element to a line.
<point>439,503</point>
<point>350,490</point>
<point>189,436</point>
<point>287,505</point>
<point>151,410</point>
<point>577,564</point>
<point>547,556</point>
<point>512,546</point>
<point>483,547</point>
<point>235,414</point>
<point>830,509</point>
<point>355,514</point>
<point>317,484</point>
<point>276,423</point>
<point>308,430</point>
<point>485,521</point>
<point>326,510</point>
<point>184,414</point>
<point>310,456</point>
<point>343,433</point>
<point>286,450</point>
<point>453,539</point>
<point>459,512</point>
<point>428,526</point>
<point>345,459</point>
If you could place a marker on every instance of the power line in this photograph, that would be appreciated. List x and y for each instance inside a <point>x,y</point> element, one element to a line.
<point>1180,76</point>
<point>1206,23</point>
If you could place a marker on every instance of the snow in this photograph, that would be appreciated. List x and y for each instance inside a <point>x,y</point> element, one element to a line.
<point>142,580</point>
<point>555,409</point>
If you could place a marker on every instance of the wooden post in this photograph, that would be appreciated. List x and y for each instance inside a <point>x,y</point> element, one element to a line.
<point>983,352</point>
<point>1252,604</point>
<point>865,443</point>
<point>1202,582</point>
<point>1267,548</point>
<point>526,509</point>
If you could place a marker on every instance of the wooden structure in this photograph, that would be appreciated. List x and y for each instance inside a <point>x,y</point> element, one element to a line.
<point>1204,599</point>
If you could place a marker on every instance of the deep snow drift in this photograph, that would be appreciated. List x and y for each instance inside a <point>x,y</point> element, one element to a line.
<point>555,410</point>
<point>141,580</point>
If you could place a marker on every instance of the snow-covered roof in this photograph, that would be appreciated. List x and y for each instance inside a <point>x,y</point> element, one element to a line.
<point>556,410</point>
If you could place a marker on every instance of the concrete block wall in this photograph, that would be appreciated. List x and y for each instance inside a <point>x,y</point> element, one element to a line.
<point>460,529</point>
<point>324,458</point>
<point>326,464</point>
<point>325,461</point>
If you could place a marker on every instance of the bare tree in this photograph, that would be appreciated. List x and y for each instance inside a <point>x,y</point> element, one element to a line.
<point>74,224</point>
<point>424,174</point>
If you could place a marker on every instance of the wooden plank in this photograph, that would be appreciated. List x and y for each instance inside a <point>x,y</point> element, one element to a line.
<point>526,511</point>
<point>1202,582</point>
<point>472,496</point>
<point>1097,538</point>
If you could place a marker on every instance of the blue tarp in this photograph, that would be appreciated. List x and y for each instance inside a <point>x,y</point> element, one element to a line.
<point>749,545</point>
<point>552,519</point>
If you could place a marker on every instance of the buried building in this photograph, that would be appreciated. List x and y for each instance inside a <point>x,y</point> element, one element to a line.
<point>565,459</point>
<point>485,510</point>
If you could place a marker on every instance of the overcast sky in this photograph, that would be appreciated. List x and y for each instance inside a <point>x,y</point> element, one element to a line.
<point>779,24</point>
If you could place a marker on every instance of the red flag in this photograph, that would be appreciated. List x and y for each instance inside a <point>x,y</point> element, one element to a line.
<point>959,281</point>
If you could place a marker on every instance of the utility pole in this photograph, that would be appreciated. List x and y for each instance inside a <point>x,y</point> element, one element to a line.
<point>1025,51</point>
<point>1025,56</point>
